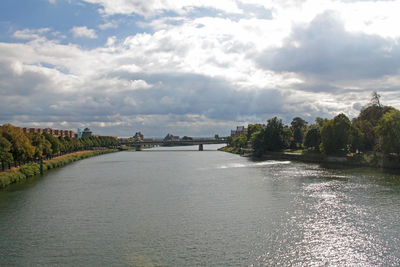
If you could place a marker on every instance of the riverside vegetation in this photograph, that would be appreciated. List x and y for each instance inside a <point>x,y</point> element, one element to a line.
<point>371,139</point>
<point>28,170</point>
<point>24,151</point>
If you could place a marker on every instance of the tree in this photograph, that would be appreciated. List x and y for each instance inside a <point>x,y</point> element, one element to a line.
<point>41,145</point>
<point>368,119</point>
<point>5,151</point>
<point>321,121</point>
<point>356,139</point>
<point>273,137</point>
<point>298,126</point>
<point>375,100</point>
<point>63,144</point>
<point>252,128</point>
<point>55,143</point>
<point>388,130</point>
<point>257,143</point>
<point>21,147</point>
<point>240,141</point>
<point>313,138</point>
<point>335,135</point>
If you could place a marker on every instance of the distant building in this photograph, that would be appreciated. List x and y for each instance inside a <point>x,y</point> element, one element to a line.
<point>79,134</point>
<point>171,137</point>
<point>239,130</point>
<point>139,136</point>
<point>53,132</point>
<point>86,133</point>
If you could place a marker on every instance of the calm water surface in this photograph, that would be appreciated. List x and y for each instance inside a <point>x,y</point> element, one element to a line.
<point>191,208</point>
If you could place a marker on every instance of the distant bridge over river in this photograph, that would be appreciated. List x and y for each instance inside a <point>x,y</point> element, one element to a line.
<point>155,142</point>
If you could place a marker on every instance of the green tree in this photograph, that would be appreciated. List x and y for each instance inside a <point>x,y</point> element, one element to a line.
<point>368,134</point>
<point>368,119</point>
<point>313,138</point>
<point>241,141</point>
<point>257,144</point>
<point>335,135</point>
<point>55,143</point>
<point>273,137</point>
<point>321,121</point>
<point>356,139</point>
<point>388,130</point>
<point>21,147</point>
<point>5,151</point>
<point>87,142</point>
<point>298,126</point>
<point>252,128</point>
<point>63,144</point>
<point>41,145</point>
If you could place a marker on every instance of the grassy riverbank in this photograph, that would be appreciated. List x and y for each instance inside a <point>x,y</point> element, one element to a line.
<point>26,171</point>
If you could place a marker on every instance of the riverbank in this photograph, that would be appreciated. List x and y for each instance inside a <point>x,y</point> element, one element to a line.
<point>372,160</point>
<point>26,171</point>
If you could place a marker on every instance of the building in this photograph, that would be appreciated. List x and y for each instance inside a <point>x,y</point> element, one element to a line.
<point>53,132</point>
<point>239,130</point>
<point>171,137</point>
<point>86,133</point>
<point>79,134</point>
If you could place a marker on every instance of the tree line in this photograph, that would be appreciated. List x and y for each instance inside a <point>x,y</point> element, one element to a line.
<point>376,129</point>
<point>17,147</point>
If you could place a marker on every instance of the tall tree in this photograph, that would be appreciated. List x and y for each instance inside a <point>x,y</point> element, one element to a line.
<point>55,143</point>
<point>298,127</point>
<point>21,147</point>
<point>356,139</point>
<point>42,146</point>
<point>388,131</point>
<point>252,128</point>
<point>5,151</point>
<point>313,138</point>
<point>273,137</point>
<point>335,135</point>
<point>321,121</point>
<point>240,141</point>
<point>368,119</point>
<point>375,100</point>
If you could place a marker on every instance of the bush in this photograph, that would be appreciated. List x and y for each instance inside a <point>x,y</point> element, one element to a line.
<point>30,169</point>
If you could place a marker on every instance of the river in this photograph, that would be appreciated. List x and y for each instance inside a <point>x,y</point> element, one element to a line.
<point>182,207</point>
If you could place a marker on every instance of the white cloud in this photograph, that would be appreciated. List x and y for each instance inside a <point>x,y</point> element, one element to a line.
<point>30,34</point>
<point>155,7</point>
<point>108,25</point>
<point>190,75</point>
<point>84,32</point>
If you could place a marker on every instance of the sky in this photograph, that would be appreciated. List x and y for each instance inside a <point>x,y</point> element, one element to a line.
<point>193,67</point>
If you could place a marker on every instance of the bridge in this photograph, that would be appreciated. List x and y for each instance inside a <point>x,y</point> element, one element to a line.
<point>154,142</point>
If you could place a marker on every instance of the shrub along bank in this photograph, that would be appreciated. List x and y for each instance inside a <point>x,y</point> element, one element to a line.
<point>26,171</point>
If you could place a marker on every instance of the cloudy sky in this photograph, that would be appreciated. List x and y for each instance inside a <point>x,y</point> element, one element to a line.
<point>193,67</point>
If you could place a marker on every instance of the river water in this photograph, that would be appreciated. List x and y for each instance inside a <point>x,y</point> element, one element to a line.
<point>189,208</point>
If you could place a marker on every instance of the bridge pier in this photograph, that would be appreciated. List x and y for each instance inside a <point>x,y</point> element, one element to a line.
<point>200,147</point>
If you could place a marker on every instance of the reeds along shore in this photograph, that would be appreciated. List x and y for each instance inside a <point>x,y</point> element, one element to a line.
<point>26,171</point>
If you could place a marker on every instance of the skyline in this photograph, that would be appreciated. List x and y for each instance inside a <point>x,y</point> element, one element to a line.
<point>194,68</point>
